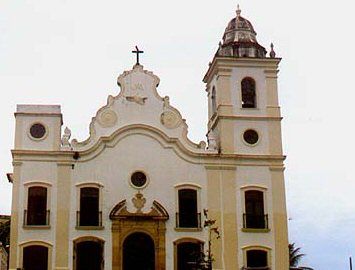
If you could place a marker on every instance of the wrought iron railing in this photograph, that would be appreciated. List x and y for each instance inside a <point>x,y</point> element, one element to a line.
<point>188,220</point>
<point>31,218</point>
<point>251,221</point>
<point>256,268</point>
<point>91,219</point>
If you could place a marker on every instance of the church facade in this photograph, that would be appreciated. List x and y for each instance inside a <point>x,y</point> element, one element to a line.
<point>138,194</point>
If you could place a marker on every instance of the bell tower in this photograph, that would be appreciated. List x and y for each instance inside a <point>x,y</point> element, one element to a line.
<point>244,114</point>
<point>244,126</point>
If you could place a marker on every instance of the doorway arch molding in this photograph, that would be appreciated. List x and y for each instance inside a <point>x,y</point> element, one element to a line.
<point>124,223</point>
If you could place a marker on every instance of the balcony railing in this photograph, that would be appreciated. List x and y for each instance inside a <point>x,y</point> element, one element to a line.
<point>88,219</point>
<point>301,268</point>
<point>251,221</point>
<point>188,220</point>
<point>36,218</point>
<point>256,268</point>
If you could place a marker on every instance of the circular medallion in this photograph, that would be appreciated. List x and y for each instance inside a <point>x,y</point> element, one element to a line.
<point>139,179</point>
<point>250,136</point>
<point>170,119</point>
<point>38,131</point>
<point>107,118</point>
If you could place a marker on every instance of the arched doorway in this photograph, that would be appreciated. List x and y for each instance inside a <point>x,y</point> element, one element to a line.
<point>152,223</point>
<point>88,254</point>
<point>138,252</point>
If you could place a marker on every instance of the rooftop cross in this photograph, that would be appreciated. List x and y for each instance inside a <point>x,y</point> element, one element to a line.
<point>137,52</point>
<point>238,11</point>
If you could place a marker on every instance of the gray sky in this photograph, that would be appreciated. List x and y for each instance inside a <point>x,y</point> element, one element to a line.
<point>71,52</point>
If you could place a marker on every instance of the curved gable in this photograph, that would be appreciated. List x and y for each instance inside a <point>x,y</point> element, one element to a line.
<point>137,105</point>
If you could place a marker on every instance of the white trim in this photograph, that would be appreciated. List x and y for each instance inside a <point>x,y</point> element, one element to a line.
<point>37,183</point>
<point>187,238</point>
<point>88,236</point>
<point>35,242</point>
<point>89,184</point>
<point>187,184</point>
<point>253,187</point>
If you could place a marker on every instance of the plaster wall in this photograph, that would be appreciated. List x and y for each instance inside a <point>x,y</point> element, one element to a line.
<point>113,168</point>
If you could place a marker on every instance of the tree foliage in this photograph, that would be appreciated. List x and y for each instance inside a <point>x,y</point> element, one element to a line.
<point>295,255</point>
<point>5,233</point>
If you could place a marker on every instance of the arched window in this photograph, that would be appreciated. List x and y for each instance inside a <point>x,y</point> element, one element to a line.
<point>89,214</point>
<point>254,217</point>
<point>189,254</point>
<point>188,216</point>
<point>35,257</point>
<point>36,213</point>
<point>213,100</point>
<point>88,254</point>
<point>257,259</point>
<point>248,93</point>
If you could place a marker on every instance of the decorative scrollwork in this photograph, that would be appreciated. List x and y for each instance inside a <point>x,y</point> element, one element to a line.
<point>107,118</point>
<point>170,119</point>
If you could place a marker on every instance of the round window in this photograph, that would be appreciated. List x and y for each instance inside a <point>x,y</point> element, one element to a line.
<point>37,131</point>
<point>251,136</point>
<point>138,179</point>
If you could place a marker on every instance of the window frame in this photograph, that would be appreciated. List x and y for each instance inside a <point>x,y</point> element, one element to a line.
<point>185,240</point>
<point>267,249</point>
<point>197,188</point>
<point>27,186</point>
<point>48,245</point>
<point>264,190</point>
<point>79,186</point>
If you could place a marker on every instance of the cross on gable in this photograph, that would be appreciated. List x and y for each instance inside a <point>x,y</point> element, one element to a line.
<point>137,52</point>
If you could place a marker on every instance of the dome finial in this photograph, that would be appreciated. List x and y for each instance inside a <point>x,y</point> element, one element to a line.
<point>238,11</point>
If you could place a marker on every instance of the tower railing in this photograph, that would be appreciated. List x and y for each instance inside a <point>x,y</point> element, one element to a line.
<point>188,220</point>
<point>256,268</point>
<point>36,218</point>
<point>252,221</point>
<point>93,219</point>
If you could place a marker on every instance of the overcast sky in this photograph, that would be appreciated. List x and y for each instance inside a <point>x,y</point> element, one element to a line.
<point>71,52</point>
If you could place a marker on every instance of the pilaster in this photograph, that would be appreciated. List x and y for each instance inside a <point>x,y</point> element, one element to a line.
<point>63,214</point>
<point>279,218</point>
<point>222,207</point>
<point>14,260</point>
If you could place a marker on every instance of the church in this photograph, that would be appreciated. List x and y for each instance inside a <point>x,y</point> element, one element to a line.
<point>138,194</point>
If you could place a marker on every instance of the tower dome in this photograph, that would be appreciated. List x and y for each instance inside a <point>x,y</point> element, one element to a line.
<point>239,39</point>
